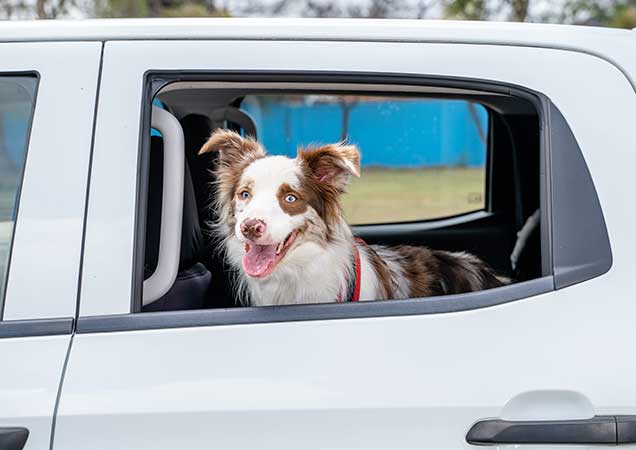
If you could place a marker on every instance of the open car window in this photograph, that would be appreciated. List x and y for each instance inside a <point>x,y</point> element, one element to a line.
<point>457,173</point>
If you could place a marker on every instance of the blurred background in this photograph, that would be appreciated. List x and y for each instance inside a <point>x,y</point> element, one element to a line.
<point>608,13</point>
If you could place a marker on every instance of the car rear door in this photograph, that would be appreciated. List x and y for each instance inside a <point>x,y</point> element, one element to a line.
<point>300,378</point>
<point>47,100</point>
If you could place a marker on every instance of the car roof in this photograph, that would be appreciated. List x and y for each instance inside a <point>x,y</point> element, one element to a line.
<point>301,29</point>
<point>617,46</point>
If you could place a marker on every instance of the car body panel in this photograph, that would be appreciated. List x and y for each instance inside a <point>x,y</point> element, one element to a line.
<point>30,383</point>
<point>409,381</point>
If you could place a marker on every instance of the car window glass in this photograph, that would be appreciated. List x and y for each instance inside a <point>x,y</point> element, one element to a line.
<point>17,101</point>
<point>422,158</point>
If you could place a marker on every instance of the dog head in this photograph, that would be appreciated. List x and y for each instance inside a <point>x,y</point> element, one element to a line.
<point>274,205</point>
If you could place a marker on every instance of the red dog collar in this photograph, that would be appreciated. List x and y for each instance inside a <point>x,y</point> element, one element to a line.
<point>353,286</point>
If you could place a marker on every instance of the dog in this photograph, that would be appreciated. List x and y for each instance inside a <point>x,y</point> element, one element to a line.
<point>281,228</point>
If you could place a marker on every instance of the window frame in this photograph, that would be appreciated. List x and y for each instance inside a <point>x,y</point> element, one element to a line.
<point>18,194</point>
<point>155,80</point>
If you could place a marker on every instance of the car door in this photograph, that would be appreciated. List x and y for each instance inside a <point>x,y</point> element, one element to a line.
<point>346,376</point>
<point>46,115</point>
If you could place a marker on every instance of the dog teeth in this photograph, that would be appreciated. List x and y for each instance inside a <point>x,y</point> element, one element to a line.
<point>279,247</point>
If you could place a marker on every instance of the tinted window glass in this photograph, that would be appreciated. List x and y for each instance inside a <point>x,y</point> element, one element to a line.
<point>17,100</point>
<point>422,158</point>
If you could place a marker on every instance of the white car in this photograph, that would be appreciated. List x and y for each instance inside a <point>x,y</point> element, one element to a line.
<point>118,330</point>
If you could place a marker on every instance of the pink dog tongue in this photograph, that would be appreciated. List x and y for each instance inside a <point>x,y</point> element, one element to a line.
<point>258,259</point>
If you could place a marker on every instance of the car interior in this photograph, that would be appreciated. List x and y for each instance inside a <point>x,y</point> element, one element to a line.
<point>506,234</point>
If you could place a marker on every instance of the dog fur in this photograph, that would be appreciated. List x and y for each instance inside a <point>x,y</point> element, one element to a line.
<point>293,205</point>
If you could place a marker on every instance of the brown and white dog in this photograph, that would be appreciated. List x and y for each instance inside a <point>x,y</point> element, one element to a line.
<point>282,229</point>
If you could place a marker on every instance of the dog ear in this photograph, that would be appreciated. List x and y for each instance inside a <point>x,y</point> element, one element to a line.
<point>332,164</point>
<point>233,148</point>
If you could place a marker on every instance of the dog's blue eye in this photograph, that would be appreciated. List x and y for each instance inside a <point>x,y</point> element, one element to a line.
<point>245,194</point>
<point>290,198</point>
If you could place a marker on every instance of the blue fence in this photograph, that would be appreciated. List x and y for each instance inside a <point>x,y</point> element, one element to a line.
<point>397,133</point>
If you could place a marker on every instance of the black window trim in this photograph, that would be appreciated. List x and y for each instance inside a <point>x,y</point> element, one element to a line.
<point>424,225</point>
<point>155,80</point>
<point>36,327</point>
<point>489,163</point>
<point>323,311</point>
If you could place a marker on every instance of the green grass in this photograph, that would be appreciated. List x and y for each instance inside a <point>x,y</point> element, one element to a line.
<point>398,195</point>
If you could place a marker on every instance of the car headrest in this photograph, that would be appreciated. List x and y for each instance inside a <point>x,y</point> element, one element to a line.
<point>233,118</point>
<point>191,236</point>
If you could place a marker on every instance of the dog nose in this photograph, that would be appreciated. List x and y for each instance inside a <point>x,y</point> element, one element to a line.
<point>253,229</point>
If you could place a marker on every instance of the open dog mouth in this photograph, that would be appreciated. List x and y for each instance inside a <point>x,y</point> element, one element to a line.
<point>260,260</point>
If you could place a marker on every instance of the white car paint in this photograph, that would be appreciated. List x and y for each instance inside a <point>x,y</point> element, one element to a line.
<point>165,273</point>
<point>407,382</point>
<point>44,267</point>
<point>48,233</point>
<point>29,384</point>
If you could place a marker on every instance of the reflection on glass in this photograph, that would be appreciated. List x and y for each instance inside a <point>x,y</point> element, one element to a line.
<point>17,100</point>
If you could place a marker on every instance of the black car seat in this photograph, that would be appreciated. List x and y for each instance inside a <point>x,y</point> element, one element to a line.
<point>197,129</point>
<point>193,279</point>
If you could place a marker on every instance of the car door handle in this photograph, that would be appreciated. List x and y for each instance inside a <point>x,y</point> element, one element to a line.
<point>596,430</point>
<point>13,438</point>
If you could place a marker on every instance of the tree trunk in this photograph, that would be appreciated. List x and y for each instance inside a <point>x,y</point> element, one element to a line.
<point>49,9</point>
<point>7,9</point>
<point>40,9</point>
<point>155,8</point>
<point>520,10</point>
